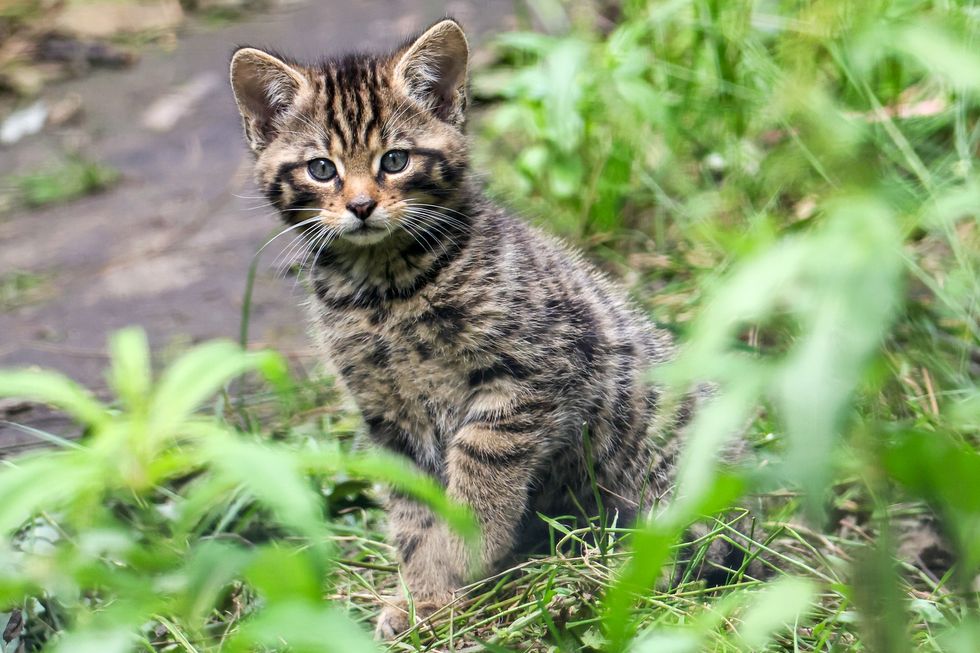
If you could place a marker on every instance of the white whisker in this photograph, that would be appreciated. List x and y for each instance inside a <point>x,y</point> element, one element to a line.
<point>415,203</point>
<point>287,230</point>
<point>426,228</point>
<point>327,239</point>
<point>294,246</point>
<point>399,113</point>
<point>438,218</point>
<point>412,230</point>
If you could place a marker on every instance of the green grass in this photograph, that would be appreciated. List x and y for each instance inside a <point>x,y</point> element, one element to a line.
<point>64,182</point>
<point>18,288</point>
<point>789,186</point>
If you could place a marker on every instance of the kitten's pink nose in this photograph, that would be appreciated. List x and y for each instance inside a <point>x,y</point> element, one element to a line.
<point>361,206</point>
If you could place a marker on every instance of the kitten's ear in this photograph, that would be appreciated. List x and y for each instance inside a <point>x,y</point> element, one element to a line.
<point>265,87</point>
<point>433,70</point>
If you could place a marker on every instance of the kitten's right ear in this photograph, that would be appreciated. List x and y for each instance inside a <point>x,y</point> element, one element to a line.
<point>265,87</point>
<point>432,70</point>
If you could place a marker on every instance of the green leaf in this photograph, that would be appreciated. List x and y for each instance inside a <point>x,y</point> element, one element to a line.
<point>781,604</point>
<point>284,574</point>
<point>667,641</point>
<point>54,389</point>
<point>209,571</point>
<point>112,640</point>
<point>943,472</point>
<point>400,475</point>
<point>942,52</point>
<point>563,66</point>
<point>566,176</point>
<point>130,375</point>
<point>963,639</point>
<point>305,628</point>
<point>273,476</point>
<point>529,42</point>
<point>936,468</point>
<point>43,482</point>
<point>879,597</point>
<point>274,369</point>
<point>651,549</point>
<point>192,379</point>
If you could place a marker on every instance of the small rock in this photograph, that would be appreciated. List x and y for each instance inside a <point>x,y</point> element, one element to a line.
<point>10,407</point>
<point>167,111</point>
<point>13,627</point>
<point>23,122</point>
<point>81,54</point>
<point>102,18</point>
<point>65,110</point>
<point>26,80</point>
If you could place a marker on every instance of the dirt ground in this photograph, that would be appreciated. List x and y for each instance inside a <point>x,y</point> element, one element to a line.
<point>168,248</point>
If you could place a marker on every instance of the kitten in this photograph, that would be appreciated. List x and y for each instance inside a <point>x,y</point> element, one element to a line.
<point>478,347</point>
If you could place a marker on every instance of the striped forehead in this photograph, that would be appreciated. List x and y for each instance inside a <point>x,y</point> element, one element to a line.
<point>350,102</point>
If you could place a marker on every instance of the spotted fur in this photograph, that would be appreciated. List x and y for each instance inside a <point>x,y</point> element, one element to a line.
<point>474,345</point>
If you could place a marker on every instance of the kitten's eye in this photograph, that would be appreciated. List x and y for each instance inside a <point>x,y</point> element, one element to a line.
<point>322,169</point>
<point>394,161</point>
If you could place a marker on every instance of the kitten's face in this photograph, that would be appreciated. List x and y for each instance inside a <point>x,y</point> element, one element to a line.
<point>363,149</point>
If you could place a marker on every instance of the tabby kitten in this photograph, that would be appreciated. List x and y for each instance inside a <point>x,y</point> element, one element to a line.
<point>478,347</point>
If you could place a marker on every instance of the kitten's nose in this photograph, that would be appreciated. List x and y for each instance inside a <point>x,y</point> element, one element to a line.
<point>361,206</point>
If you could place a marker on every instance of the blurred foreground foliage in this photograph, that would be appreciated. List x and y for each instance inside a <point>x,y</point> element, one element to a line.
<point>132,538</point>
<point>792,186</point>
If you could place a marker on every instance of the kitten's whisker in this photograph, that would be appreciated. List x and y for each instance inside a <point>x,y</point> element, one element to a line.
<point>429,228</point>
<point>324,238</point>
<point>287,230</point>
<point>460,224</point>
<point>438,219</point>
<point>437,207</point>
<point>444,225</point>
<point>412,230</point>
<point>303,242</point>
<point>327,239</point>
<point>321,234</point>
<point>412,226</point>
<point>286,256</point>
<point>295,133</point>
<point>309,123</point>
<point>267,205</point>
<point>399,112</point>
<point>295,245</point>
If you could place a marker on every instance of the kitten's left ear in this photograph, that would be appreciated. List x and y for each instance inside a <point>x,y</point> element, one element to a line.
<point>433,70</point>
<point>265,87</point>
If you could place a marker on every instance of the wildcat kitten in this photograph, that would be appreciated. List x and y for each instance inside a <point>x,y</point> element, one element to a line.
<point>480,348</point>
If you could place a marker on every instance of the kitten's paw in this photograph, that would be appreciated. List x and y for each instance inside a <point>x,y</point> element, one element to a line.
<point>394,617</point>
<point>392,622</point>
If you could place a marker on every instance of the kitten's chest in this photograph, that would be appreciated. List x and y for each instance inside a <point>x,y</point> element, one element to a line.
<point>399,366</point>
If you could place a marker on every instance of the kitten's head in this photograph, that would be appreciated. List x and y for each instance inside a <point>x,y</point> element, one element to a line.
<point>360,147</point>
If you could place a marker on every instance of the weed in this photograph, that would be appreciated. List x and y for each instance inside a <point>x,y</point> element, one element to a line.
<point>18,288</point>
<point>73,179</point>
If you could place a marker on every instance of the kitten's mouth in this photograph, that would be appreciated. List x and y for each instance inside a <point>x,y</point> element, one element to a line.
<point>366,234</point>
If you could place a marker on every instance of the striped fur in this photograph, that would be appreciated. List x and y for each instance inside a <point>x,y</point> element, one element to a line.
<point>476,346</point>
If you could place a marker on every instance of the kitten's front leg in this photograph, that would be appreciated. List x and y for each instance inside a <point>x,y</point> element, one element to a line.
<point>431,571</point>
<point>488,471</point>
